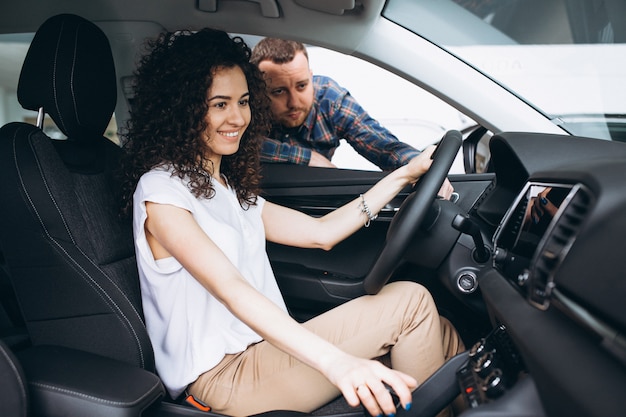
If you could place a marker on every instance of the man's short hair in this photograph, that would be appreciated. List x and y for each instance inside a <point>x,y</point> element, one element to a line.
<point>279,51</point>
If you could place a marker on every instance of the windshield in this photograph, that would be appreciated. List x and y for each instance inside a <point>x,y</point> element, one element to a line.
<point>564,57</point>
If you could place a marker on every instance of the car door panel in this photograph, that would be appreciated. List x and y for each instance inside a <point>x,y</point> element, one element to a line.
<point>314,280</point>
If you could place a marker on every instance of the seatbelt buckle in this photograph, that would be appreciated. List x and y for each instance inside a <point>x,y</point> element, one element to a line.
<point>194,402</point>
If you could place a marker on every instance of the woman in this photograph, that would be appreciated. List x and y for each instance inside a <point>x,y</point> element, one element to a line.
<point>216,318</point>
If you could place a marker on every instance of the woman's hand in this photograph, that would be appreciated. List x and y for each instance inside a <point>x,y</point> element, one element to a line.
<point>363,381</point>
<point>420,164</point>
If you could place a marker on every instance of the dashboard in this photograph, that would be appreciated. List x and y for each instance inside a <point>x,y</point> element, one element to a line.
<point>554,288</point>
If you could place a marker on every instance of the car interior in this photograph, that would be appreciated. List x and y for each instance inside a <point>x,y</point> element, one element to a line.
<point>537,296</point>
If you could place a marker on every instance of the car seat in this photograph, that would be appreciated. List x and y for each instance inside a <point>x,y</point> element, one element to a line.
<point>13,390</point>
<point>69,253</point>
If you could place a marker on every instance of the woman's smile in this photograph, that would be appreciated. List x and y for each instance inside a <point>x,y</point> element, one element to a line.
<point>231,135</point>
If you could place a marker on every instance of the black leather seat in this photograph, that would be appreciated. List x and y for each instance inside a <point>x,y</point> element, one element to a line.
<point>69,254</point>
<point>13,389</point>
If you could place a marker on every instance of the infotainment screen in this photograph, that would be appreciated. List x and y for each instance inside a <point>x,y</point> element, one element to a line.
<point>524,226</point>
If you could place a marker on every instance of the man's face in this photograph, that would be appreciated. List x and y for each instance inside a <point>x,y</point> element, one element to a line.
<point>290,88</point>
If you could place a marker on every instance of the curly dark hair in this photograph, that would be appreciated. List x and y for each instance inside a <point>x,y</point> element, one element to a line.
<point>169,108</point>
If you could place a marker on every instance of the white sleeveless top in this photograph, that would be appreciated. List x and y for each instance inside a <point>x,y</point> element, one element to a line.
<point>189,329</point>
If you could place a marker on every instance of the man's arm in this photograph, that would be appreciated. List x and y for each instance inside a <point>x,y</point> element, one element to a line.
<point>273,150</point>
<point>369,138</point>
<point>347,120</point>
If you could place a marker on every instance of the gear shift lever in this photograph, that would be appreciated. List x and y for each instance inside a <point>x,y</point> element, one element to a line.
<point>466,225</point>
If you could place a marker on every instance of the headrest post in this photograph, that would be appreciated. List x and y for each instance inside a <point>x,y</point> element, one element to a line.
<point>40,116</point>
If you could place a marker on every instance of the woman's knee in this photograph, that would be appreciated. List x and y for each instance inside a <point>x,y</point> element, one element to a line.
<point>413,302</point>
<point>413,293</point>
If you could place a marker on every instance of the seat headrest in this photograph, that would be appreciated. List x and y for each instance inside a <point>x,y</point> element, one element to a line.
<point>69,71</point>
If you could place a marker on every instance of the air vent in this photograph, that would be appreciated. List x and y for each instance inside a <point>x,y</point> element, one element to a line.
<point>554,247</point>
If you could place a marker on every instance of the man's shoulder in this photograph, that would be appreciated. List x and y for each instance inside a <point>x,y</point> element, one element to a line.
<point>325,82</point>
<point>326,87</point>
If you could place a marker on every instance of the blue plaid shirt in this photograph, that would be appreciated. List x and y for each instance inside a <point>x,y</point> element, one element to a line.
<point>336,115</point>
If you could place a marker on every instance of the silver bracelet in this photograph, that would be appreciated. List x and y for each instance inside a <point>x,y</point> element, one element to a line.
<point>366,210</point>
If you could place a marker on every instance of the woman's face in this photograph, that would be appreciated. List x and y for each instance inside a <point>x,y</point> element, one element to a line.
<point>229,111</point>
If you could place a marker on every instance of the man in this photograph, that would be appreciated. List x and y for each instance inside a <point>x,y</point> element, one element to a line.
<point>312,113</point>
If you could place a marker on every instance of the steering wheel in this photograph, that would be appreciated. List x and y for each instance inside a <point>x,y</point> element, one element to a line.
<point>412,211</point>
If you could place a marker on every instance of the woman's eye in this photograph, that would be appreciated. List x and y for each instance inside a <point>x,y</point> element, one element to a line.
<point>244,102</point>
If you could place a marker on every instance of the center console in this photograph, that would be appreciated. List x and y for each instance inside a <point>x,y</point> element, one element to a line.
<point>493,367</point>
<point>530,243</point>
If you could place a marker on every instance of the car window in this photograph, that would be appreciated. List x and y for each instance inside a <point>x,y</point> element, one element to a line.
<point>411,113</point>
<point>13,49</point>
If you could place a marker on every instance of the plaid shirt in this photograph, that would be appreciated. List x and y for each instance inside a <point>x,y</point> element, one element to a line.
<point>336,115</point>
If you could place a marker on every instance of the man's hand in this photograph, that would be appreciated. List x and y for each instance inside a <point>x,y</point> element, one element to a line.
<point>446,190</point>
<point>319,160</point>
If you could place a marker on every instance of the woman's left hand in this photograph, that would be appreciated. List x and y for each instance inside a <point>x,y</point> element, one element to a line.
<point>420,164</point>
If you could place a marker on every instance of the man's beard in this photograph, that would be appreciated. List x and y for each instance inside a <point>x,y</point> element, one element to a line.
<point>289,122</point>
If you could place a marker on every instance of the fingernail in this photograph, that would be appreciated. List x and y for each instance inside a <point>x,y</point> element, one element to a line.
<point>407,407</point>
<point>391,415</point>
<point>543,200</point>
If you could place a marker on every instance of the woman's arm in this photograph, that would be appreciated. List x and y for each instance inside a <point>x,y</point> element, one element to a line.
<point>293,228</point>
<point>173,231</point>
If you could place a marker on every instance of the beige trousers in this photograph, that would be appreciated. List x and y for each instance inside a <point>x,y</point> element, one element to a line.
<point>401,323</point>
